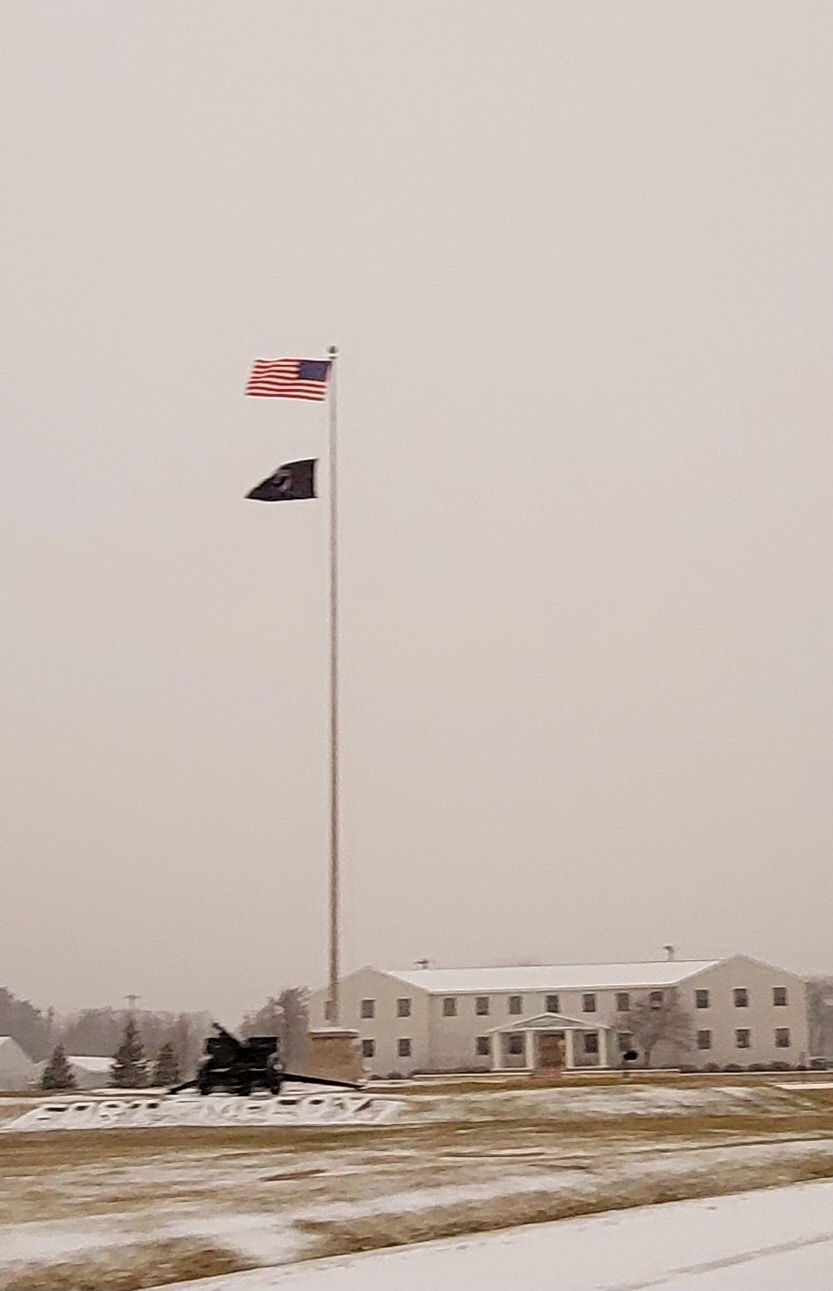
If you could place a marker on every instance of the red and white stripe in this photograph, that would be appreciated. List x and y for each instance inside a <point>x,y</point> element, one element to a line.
<point>278,379</point>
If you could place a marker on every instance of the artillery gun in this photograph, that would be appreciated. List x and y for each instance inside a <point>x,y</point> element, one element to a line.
<point>239,1066</point>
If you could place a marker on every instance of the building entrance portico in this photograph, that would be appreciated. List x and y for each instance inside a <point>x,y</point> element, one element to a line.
<point>549,1042</point>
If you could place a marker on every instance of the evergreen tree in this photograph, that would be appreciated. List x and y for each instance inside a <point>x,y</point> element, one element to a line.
<point>166,1067</point>
<point>57,1074</point>
<point>129,1070</point>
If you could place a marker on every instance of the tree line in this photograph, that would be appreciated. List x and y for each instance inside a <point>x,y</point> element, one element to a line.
<point>146,1048</point>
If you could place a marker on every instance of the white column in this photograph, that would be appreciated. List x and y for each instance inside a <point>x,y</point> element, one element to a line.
<point>569,1051</point>
<point>529,1054</point>
<point>603,1057</point>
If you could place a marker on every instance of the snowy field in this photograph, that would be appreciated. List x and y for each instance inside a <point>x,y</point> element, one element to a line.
<point>117,1209</point>
<point>772,1240</point>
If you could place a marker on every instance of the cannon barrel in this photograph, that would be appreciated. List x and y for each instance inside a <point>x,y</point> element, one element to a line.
<point>318,1080</point>
<point>228,1037</point>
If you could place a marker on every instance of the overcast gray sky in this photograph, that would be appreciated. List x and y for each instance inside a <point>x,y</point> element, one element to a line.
<point>577,257</point>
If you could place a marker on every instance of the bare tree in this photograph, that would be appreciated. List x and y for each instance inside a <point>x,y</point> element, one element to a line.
<point>820,1016</point>
<point>30,1027</point>
<point>656,1017</point>
<point>268,1020</point>
<point>287,1017</point>
<point>93,1031</point>
<point>187,1034</point>
<point>293,1005</point>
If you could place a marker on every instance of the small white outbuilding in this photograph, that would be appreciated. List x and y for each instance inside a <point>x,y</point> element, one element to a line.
<point>90,1072</point>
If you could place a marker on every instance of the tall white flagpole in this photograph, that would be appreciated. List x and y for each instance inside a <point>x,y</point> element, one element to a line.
<point>334,778</point>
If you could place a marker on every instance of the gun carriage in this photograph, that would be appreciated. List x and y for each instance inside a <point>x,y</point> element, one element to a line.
<point>240,1066</point>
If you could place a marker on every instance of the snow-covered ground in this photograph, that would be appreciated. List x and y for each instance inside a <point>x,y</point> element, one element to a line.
<point>778,1239</point>
<point>454,1162</point>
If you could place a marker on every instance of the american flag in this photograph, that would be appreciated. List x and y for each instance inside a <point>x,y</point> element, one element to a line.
<point>289,378</point>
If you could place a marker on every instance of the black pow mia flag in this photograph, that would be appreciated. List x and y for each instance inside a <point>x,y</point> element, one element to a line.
<point>289,483</point>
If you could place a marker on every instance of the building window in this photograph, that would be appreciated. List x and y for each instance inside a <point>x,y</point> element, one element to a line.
<point>741,997</point>
<point>782,1037</point>
<point>516,1044</point>
<point>552,1004</point>
<point>588,1004</point>
<point>403,1048</point>
<point>591,1042</point>
<point>779,996</point>
<point>450,1006</point>
<point>368,1009</point>
<point>701,999</point>
<point>368,1048</point>
<point>403,1008</point>
<point>481,1006</point>
<point>704,1039</point>
<point>743,1038</point>
<point>329,1011</point>
<point>623,1002</point>
<point>625,1041</point>
<point>483,1046</point>
<point>516,1004</point>
<point>655,999</point>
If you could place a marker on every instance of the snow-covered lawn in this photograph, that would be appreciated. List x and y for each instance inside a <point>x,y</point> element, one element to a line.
<point>778,1239</point>
<point>92,1204</point>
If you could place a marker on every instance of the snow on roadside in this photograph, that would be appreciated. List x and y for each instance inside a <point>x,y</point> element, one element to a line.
<point>249,1199</point>
<point>754,1241</point>
<point>112,1109</point>
<point>630,1099</point>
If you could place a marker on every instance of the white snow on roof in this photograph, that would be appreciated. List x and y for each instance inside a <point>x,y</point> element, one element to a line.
<point>552,977</point>
<point>89,1062</point>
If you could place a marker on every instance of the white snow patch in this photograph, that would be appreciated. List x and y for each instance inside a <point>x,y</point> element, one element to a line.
<point>758,1241</point>
<point>124,1113</point>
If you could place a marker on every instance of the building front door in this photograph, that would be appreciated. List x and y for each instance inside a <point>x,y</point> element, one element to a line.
<point>551,1050</point>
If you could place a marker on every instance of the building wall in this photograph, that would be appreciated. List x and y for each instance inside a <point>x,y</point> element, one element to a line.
<point>443,1041</point>
<point>16,1067</point>
<point>96,1076</point>
<point>761,1017</point>
<point>385,1029</point>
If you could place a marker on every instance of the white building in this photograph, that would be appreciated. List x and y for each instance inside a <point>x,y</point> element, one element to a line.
<point>17,1070</point>
<point>90,1072</point>
<point>740,1012</point>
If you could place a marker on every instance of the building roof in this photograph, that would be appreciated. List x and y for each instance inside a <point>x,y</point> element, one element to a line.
<point>552,977</point>
<point>14,1048</point>
<point>550,1022</point>
<point>90,1062</point>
